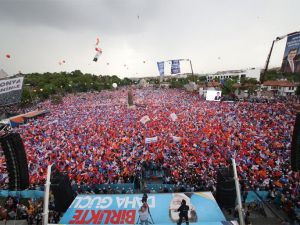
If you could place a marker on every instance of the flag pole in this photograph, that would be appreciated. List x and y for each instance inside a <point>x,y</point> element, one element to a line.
<point>238,193</point>
<point>46,196</point>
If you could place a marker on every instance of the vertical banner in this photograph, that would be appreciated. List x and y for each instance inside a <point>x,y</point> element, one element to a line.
<point>175,66</point>
<point>291,57</point>
<point>161,68</point>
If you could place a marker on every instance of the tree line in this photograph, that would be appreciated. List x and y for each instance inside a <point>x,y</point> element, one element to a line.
<point>40,86</point>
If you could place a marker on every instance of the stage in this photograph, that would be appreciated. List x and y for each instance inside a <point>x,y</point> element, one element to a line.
<point>123,209</point>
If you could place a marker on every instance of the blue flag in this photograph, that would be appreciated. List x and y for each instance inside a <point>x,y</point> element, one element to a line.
<point>175,67</point>
<point>161,68</point>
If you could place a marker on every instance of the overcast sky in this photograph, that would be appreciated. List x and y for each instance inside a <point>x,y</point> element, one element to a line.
<point>214,34</point>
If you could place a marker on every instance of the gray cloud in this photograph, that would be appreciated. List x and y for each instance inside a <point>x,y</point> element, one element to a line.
<point>112,16</point>
<point>38,33</point>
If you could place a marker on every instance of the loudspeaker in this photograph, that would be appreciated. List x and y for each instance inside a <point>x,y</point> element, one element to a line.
<point>295,151</point>
<point>226,194</point>
<point>22,161</point>
<point>16,161</point>
<point>62,190</point>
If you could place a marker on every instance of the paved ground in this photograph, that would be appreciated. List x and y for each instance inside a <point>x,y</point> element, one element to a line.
<point>11,222</point>
<point>271,215</point>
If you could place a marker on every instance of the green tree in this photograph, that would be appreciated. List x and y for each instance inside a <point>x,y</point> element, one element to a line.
<point>228,87</point>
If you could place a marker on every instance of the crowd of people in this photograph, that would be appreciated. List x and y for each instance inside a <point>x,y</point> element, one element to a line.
<point>97,139</point>
<point>29,210</point>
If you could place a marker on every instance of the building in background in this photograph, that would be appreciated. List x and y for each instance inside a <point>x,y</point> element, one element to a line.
<point>280,87</point>
<point>221,75</point>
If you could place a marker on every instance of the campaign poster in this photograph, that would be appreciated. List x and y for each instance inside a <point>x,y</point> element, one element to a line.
<point>175,66</point>
<point>161,68</point>
<point>291,57</point>
<point>213,95</point>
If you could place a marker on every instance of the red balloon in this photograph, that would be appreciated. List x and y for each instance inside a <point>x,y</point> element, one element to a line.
<point>7,56</point>
<point>98,49</point>
<point>97,41</point>
<point>64,61</point>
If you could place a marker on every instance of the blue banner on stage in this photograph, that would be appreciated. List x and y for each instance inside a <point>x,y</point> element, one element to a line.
<point>124,209</point>
<point>161,68</point>
<point>175,66</point>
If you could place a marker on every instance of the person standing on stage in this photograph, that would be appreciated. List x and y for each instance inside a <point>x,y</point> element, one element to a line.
<point>183,212</point>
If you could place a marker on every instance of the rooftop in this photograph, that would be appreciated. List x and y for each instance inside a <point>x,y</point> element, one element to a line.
<point>279,83</point>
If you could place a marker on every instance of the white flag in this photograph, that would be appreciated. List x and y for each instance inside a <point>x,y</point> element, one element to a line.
<point>145,119</point>
<point>151,140</point>
<point>176,139</point>
<point>173,116</point>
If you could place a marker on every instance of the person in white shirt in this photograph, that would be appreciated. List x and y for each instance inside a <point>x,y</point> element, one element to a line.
<point>144,215</point>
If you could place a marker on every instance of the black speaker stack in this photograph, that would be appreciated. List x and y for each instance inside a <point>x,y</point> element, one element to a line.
<point>62,190</point>
<point>226,193</point>
<point>295,151</point>
<point>16,161</point>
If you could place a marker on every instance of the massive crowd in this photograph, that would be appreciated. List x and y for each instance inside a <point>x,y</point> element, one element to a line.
<point>97,139</point>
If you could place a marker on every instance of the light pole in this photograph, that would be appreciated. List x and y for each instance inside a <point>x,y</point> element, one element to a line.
<point>238,193</point>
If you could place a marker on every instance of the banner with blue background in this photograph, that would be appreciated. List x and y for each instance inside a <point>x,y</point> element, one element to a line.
<point>175,66</point>
<point>123,209</point>
<point>161,68</point>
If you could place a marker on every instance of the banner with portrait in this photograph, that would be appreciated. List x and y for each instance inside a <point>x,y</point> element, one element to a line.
<point>175,66</point>
<point>291,57</point>
<point>161,68</point>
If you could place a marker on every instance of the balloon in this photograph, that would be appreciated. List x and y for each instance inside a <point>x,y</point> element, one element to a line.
<point>107,64</point>
<point>114,85</point>
<point>97,56</point>
<point>63,61</point>
<point>144,61</point>
<point>98,49</point>
<point>7,56</point>
<point>60,63</point>
<point>97,41</point>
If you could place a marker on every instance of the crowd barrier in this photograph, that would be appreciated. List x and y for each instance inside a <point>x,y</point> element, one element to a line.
<point>169,187</point>
<point>125,186</point>
<point>22,194</point>
<point>252,197</point>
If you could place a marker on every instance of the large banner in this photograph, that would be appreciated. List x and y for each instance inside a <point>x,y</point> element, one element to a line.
<point>161,68</point>
<point>212,95</point>
<point>175,66</point>
<point>124,209</point>
<point>291,57</point>
<point>11,90</point>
